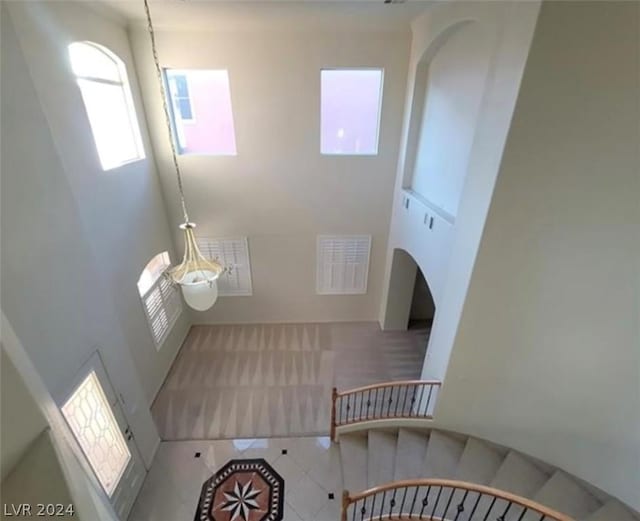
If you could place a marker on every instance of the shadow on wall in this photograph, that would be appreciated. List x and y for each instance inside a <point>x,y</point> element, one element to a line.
<point>423,308</point>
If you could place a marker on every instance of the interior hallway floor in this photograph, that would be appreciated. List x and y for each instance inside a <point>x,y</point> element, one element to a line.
<point>275,380</point>
<point>310,468</point>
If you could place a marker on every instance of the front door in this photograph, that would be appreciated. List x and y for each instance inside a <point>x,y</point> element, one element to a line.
<point>96,419</point>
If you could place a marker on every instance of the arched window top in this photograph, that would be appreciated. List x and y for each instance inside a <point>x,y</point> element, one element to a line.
<point>92,61</point>
<point>152,272</point>
<point>102,78</point>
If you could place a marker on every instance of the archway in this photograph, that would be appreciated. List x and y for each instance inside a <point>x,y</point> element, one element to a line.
<point>409,299</point>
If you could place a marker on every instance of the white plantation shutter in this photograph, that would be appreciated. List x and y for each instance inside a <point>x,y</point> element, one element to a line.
<point>343,264</point>
<point>163,306</point>
<point>232,253</point>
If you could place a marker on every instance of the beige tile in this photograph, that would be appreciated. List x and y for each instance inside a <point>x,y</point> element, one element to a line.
<point>306,497</point>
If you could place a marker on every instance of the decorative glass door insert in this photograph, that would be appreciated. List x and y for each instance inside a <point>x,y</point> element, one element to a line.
<point>94,425</point>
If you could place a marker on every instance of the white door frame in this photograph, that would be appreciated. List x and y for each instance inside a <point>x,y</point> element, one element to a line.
<point>96,365</point>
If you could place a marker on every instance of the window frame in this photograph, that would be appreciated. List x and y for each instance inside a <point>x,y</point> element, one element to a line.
<point>379,110</point>
<point>175,99</point>
<point>176,133</point>
<point>170,302</point>
<point>125,87</point>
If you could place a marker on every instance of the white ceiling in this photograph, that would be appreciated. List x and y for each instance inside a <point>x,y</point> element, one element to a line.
<point>271,14</point>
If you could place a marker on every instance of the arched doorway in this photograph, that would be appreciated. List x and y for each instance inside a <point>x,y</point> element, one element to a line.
<point>409,299</point>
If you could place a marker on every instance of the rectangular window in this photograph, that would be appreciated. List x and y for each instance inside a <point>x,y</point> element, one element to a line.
<point>235,254</point>
<point>351,100</point>
<point>201,111</point>
<point>343,264</point>
<point>182,101</point>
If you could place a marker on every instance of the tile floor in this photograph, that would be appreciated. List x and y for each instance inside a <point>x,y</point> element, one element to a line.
<point>309,466</point>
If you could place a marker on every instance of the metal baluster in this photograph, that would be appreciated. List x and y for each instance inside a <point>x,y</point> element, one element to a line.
<point>375,401</point>
<point>368,404</point>
<point>506,510</point>
<point>373,507</point>
<point>426,411</point>
<point>384,394</point>
<point>422,386</point>
<point>446,509</point>
<point>392,503</point>
<point>412,403</point>
<point>486,516</point>
<point>524,511</point>
<point>460,507</point>
<point>404,402</point>
<point>436,504</point>
<point>363,508</point>
<point>425,501</point>
<point>402,504</point>
<point>542,517</point>
<point>361,404</point>
<point>395,411</point>
<point>415,495</point>
<point>384,495</point>
<point>473,510</point>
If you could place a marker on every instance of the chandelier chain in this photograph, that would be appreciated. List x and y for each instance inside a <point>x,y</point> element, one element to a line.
<point>165,106</point>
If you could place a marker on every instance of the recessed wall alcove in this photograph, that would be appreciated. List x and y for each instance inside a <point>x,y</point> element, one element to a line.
<point>448,90</point>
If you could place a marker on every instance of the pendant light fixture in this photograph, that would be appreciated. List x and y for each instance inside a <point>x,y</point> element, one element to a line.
<point>196,275</point>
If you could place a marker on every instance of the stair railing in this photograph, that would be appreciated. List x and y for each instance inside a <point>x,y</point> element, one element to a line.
<point>402,399</point>
<point>442,499</point>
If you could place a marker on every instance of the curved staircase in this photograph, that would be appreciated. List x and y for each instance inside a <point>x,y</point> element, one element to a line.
<point>376,457</point>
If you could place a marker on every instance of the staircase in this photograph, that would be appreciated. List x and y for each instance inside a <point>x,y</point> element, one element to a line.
<point>376,457</point>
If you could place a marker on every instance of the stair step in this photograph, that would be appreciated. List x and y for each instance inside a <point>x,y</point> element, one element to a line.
<point>442,456</point>
<point>353,454</point>
<point>381,457</point>
<point>479,462</point>
<point>516,475</point>
<point>565,495</point>
<point>519,476</point>
<point>611,511</point>
<point>411,451</point>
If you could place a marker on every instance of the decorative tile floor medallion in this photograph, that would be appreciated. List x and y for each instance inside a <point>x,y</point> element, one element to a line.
<point>242,490</point>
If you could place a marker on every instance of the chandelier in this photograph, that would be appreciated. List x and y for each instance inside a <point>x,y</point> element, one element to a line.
<point>196,275</point>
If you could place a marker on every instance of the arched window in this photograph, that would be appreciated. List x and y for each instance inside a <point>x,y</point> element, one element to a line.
<point>160,299</point>
<point>102,79</point>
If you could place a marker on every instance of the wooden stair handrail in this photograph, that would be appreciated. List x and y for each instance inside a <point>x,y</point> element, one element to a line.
<point>348,499</point>
<point>398,383</point>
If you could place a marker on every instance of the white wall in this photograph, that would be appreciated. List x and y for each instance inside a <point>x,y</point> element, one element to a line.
<point>53,467</point>
<point>455,78</point>
<point>279,191</point>
<point>547,357</point>
<point>20,422</point>
<point>75,238</point>
<point>445,248</point>
<point>121,211</point>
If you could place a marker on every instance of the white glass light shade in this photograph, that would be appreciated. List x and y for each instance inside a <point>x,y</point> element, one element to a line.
<point>198,293</point>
